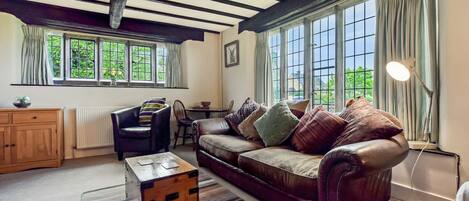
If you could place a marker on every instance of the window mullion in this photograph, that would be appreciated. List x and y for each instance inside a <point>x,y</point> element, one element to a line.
<point>339,81</point>
<point>307,59</point>
<point>97,58</point>
<point>68,59</point>
<point>283,54</point>
<point>153,60</point>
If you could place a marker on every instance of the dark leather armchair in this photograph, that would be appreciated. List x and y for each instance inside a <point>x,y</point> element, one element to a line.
<point>129,136</point>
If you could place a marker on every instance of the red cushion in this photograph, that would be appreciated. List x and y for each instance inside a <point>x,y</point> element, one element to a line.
<point>317,131</point>
<point>364,123</point>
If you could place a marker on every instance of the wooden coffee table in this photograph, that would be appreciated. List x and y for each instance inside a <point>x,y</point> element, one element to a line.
<point>155,182</point>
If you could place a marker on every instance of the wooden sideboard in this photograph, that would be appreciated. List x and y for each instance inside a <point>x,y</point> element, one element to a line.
<point>30,138</point>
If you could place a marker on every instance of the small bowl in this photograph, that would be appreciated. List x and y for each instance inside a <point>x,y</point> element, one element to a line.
<point>21,105</point>
<point>205,104</point>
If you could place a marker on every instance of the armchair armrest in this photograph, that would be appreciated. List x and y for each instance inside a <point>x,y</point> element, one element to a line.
<point>351,169</point>
<point>125,117</point>
<point>160,128</point>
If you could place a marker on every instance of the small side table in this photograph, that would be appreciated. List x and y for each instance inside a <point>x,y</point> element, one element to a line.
<point>156,183</point>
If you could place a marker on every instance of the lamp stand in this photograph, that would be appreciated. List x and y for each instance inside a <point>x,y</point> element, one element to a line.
<point>426,141</point>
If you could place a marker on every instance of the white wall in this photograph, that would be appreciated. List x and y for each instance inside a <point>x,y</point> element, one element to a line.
<point>201,62</point>
<point>238,81</point>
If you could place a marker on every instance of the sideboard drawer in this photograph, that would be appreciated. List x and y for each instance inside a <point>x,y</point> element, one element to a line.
<point>34,117</point>
<point>4,118</point>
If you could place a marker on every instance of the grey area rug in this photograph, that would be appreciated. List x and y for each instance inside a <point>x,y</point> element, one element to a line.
<point>209,190</point>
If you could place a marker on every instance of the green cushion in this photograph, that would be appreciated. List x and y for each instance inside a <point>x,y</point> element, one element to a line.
<point>276,125</point>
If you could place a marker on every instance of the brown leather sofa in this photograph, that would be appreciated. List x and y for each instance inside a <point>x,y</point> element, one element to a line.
<point>355,172</point>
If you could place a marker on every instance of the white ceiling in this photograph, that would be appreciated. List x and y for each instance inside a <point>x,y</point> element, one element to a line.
<point>166,8</point>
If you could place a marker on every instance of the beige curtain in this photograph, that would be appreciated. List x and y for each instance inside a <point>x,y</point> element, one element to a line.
<point>174,73</point>
<point>263,76</point>
<point>35,68</point>
<point>407,29</point>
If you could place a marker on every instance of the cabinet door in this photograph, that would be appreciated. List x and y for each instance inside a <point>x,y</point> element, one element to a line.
<point>4,145</point>
<point>33,143</point>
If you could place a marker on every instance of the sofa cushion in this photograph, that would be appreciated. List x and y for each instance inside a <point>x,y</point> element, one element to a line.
<point>316,133</point>
<point>147,109</point>
<point>226,147</point>
<point>136,132</point>
<point>290,171</point>
<point>298,108</point>
<point>247,128</point>
<point>234,119</point>
<point>276,125</point>
<point>364,123</point>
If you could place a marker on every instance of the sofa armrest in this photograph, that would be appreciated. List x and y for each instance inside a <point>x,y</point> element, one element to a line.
<point>360,164</point>
<point>211,126</point>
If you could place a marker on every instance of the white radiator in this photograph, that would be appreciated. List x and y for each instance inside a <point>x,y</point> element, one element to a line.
<point>94,126</point>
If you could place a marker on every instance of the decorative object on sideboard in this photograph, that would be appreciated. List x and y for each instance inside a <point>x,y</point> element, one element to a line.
<point>232,54</point>
<point>205,104</point>
<point>22,102</point>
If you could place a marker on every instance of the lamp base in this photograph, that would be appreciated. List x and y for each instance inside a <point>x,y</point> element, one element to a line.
<point>419,145</point>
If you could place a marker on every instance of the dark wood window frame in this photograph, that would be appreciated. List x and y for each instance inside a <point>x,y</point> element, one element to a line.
<point>99,81</point>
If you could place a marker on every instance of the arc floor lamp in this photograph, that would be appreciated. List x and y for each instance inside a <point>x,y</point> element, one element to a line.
<point>401,71</point>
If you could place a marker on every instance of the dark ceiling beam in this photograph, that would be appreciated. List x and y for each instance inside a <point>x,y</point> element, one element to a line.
<point>161,13</point>
<point>241,5</point>
<point>69,19</point>
<point>207,10</point>
<point>116,10</point>
<point>281,13</point>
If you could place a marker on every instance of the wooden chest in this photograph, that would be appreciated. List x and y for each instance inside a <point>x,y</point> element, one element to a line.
<point>157,183</point>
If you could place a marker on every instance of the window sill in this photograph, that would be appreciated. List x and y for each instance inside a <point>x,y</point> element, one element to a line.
<point>103,85</point>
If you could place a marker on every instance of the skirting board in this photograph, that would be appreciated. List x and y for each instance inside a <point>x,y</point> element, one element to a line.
<point>403,192</point>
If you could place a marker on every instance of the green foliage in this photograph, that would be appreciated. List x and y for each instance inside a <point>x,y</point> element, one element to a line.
<point>82,59</point>
<point>113,65</point>
<point>54,47</point>
<point>358,82</point>
<point>141,63</point>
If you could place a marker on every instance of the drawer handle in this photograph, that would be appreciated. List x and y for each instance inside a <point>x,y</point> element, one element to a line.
<point>34,117</point>
<point>7,145</point>
<point>13,145</point>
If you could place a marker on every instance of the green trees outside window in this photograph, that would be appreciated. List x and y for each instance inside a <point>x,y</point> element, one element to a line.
<point>82,59</point>
<point>141,63</point>
<point>54,47</point>
<point>113,60</point>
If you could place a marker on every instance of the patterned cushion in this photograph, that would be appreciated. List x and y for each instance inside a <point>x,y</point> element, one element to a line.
<point>234,119</point>
<point>147,109</point>
<point>247,128</point>
<point>317,131</point>
<point>276,125</point>
<point>364,123</point>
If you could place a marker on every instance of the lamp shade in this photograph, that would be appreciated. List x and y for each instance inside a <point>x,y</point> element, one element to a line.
<point>398,71</point>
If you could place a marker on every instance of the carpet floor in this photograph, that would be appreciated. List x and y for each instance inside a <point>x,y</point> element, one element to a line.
<point>68,182</point>
<point>209,190</point>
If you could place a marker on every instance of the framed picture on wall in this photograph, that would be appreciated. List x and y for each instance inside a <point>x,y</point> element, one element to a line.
<point>232,54</point>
